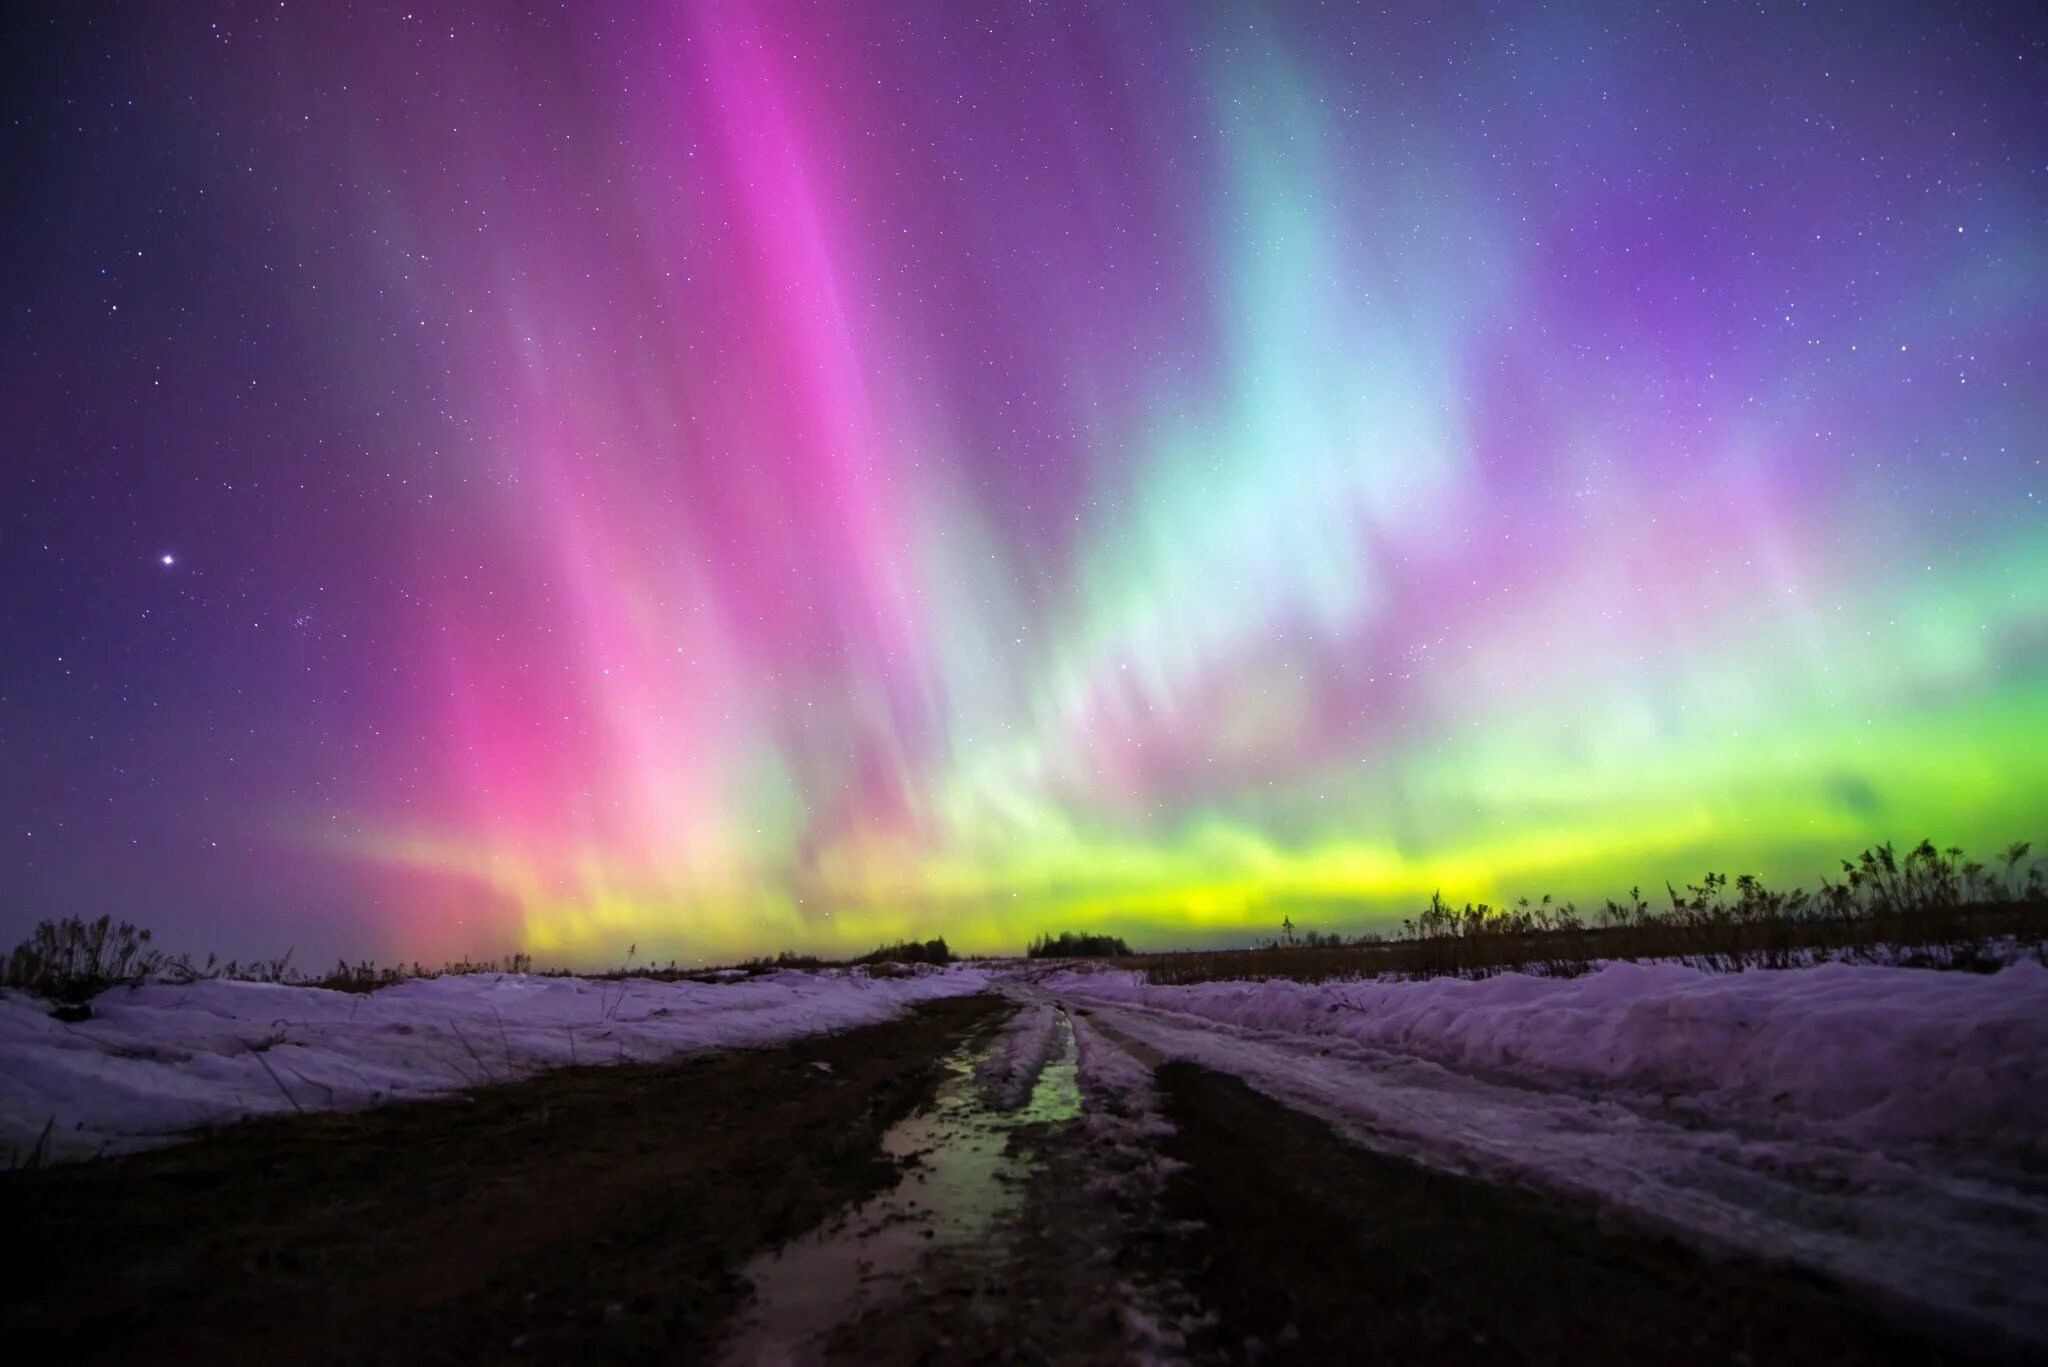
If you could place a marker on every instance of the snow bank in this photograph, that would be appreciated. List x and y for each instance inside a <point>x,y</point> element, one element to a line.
<point>1875,1054</point>
<point>158,1060</point>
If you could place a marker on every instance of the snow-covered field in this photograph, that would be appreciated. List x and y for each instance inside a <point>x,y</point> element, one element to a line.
<point>1886,1125</point>
<point>1880,1055</point>
<point>1882,1125</point>
<point>159,1060</point>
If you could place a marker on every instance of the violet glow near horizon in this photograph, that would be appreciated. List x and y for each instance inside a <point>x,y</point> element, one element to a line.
<point>733,476</point>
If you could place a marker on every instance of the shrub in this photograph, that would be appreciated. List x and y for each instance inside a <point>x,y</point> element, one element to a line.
<point>71,959</point>
<point>1924,908</point>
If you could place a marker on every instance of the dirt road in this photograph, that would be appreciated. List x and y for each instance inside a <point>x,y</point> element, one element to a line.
<point>992,1179</point>
<point>1324,1251</point>
<point>584,1215</point>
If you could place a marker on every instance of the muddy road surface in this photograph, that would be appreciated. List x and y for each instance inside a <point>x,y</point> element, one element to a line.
<point>1002,1178</point>
<point>589,1214</point>
<point>1329,1252</point>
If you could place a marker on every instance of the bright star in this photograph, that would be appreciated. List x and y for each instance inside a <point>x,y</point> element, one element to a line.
<point>170,559</point>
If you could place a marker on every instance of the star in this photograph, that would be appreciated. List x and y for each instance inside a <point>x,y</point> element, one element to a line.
<point>169,559</point>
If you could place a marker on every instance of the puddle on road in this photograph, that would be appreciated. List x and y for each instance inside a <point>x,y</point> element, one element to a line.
<point>1056,1095</point>
<point>962,1187</point>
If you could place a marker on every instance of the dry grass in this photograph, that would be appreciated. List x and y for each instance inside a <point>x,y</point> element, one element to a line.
<point>72,961</point>
<point>1927,908</point>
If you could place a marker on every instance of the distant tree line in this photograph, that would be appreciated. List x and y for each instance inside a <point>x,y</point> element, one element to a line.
<point>933,951</point>
<point>1068,945</point>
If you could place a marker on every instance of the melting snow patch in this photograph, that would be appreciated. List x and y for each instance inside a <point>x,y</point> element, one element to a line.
<point>1028,1040</point>
<point>158,1060</point>
<point>1881,1055</point>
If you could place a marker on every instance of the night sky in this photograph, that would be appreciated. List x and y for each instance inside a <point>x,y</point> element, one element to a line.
<point>731,476</point>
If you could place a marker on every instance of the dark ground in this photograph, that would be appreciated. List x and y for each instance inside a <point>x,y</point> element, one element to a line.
<point>602,1214</point>
<point>1052,1286</point>
<point>1315,1250</point>
<point>591,1214</point>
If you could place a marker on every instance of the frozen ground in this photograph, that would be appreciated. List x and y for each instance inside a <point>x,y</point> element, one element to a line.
<point>1882,1125</point>
<point>1886,1126</point>
<point>159,1060</point>
<point>1009,1236</point>
<point>1877,1055</point>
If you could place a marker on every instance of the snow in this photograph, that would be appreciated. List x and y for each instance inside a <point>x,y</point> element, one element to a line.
<point>159,1060</point>
<point>1123,1126</point>
<point>1877,1054</point>
<point>1879,1125</point>
<point>1885,1125</point>
<point>1027,1041</point>
<point>1925,1229</point>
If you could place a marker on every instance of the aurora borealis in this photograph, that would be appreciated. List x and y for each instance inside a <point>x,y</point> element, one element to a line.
<point>721,477</point>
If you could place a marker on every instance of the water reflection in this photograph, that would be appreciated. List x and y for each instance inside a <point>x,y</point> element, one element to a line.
<point>962,1187</point>
<point>1057,1093</point>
